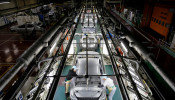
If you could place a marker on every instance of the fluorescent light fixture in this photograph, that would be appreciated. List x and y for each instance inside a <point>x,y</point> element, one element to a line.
<point>53,47</point>
<point>123,46</point>
<point>71,51</point>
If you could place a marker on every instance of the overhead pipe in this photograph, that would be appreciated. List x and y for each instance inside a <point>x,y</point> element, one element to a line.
<point>26,58</point>
<point>146,56</point>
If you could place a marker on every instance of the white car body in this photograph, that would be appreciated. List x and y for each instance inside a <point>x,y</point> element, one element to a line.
<point>87,88</point>
<point>91,41</point>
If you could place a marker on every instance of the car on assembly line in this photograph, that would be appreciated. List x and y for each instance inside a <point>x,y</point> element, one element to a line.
<point>88,21</point>
<point>88,27</point>
<point>87,88</point>
<point>88,30</point>
<point>91,41</point>
<point>91,17</point>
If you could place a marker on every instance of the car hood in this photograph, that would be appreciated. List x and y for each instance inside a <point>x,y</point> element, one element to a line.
<point>87,92</point>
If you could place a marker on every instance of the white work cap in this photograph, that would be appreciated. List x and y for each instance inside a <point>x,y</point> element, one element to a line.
<point>104,77</point>
<point>75,67</point>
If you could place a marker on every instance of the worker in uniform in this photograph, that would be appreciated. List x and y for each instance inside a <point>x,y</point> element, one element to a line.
<point>71,74</point>
<point>108,82</point>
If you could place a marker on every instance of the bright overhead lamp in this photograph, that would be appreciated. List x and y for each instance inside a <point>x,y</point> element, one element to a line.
<point>124,47</point>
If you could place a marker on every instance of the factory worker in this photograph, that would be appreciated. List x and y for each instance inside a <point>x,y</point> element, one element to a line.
<point>71,74</point>
<point>108,82</point>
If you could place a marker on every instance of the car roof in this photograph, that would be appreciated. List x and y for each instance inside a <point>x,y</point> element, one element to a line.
<point>93,66</point>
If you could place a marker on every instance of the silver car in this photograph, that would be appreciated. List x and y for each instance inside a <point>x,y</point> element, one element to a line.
<point>88,28</point>
<point>87,88</point>
<point>88,24</point>
<point>88,21</point>
<point>91,41</point>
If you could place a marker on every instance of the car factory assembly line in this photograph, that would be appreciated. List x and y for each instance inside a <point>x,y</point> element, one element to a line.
<point>88,39</point>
